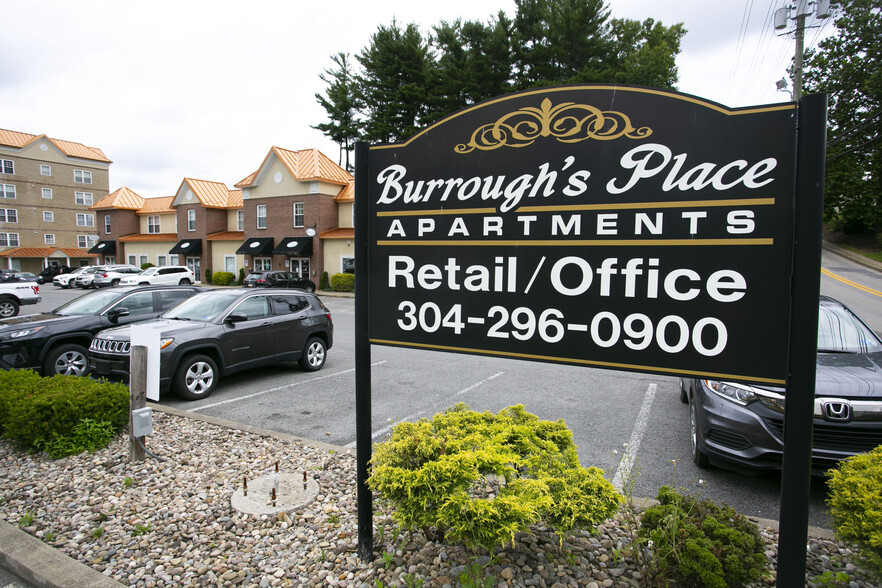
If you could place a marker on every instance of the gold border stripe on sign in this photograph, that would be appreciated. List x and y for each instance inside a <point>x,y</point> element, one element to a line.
<point>578,243</point>
<point>850,283</point>
<point>587,362</point>
<point>577,207</point>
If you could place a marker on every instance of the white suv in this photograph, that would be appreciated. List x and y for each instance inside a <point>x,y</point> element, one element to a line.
<point>67,280</point>
<point>163,274</point>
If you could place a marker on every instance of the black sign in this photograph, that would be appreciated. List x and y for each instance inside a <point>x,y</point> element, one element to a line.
<point>613,227</point>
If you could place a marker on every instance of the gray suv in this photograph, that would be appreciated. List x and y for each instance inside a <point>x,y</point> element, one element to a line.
<point>220,332</point>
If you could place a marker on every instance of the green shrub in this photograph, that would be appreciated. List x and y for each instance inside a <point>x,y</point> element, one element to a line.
<point>697,542</point>
<point>223,278</point>
<point>343,282</point>
<point>480,478</point>
<point>208,275</point>
<point>241,275</point>
<point>87,435</point>
<point>855,501</point>
<point>325,282</point>
<point>145,265</point>
<point>33,409</point>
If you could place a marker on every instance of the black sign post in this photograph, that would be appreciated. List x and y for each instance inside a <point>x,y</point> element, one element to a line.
<point>604,226</point>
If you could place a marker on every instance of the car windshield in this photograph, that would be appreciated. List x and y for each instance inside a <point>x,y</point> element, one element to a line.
<point>88,304</point>
<point>840,331</point>
<point>206,307</point>
<point>149,271</point>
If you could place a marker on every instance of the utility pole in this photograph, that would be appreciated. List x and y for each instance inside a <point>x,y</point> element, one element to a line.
<point>802,9</point>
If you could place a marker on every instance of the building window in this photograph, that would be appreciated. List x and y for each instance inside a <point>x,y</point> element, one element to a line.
<point>84,198</point>
<point>107,224</point>
<point>298,214</point>
<point>313,187</point>
<point>160,260</point>
<point>82,176</point>
<point>49,239</point>
<point>153,223</point>
<point>263,264</point>
<point>133,259</point>
<point>8,215</point>
<point>7,191</point>
<point>142,259</point>
<point>85,220</point>
<point>261,216</point>
<point>84,241</point>
<point>240,220</point>
<point>110,259</point>
<point>191,220</point>
<point>173,259</point>
<point>48,216</point>
<point>45,170</point>
<point>8,239</point>
<point>230,264</point>
<point>7,166</point>
<point>47,193</point>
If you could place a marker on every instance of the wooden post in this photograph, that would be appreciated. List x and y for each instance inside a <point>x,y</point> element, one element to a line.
<point>137,395</point>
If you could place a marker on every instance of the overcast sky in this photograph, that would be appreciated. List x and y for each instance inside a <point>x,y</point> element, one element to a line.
<point>203,89</point>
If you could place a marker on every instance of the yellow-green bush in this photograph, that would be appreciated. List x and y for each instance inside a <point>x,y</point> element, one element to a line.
<point>222,278</point>
<point>342,282</point>
<point>35,411</point>
<point>480,478</point>
<point>856,505</point>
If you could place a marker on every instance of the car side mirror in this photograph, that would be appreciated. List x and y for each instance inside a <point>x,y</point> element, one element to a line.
<point>115,313</point>
<point>235,318</point>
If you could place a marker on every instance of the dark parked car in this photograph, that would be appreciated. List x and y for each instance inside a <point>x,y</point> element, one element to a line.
<point>56,342</point>
<point>24,277</point>
<point>277,279</point>
<point>741,427</point>
<point>51,271</point>
<point>221,332</point>
<point>7,274</point>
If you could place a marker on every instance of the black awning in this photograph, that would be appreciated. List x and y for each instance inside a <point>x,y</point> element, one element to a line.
<point>187,247</point>
<point>104,248</point>
<point>299,246</point>
<point>256,246</point>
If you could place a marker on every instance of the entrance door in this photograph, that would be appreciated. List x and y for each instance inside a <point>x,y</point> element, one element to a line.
<point>194,265</point>
<point>300,267</point>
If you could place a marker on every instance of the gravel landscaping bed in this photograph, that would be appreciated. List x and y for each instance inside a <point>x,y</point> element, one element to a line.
<point>171,523</point>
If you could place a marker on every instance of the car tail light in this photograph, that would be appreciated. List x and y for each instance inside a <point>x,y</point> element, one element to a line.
<point>261,281</point>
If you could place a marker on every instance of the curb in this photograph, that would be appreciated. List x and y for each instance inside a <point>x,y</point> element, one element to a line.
<point>46,567</point>
<point>855,257</point>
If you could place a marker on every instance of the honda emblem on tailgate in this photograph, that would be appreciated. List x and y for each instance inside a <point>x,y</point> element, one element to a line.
<point>837,411</point>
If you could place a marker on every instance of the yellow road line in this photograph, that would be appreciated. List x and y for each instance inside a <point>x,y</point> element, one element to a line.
<point>850,283</point>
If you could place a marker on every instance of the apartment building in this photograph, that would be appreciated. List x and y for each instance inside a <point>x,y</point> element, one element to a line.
<point>47,187</point>
<point>293,203</point>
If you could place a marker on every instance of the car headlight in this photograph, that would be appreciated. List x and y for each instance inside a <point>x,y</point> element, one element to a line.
<point>22,333</point>
<point>737,393</point>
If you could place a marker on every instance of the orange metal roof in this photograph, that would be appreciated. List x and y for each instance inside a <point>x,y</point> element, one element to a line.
<point>139,238</point>
<point>227,236</point>
<point>304,165</point>
<point>338,234</point>
<point>46,252</point>
<point>123,199</point>
<point>213,194</point>
<point>161,205</point>
<point>347,194</point>
<point>69,148</point>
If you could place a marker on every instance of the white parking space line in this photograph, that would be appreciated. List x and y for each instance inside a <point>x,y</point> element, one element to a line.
<point>261,393</point>
<point>419,414</point>
<point>623,472</point>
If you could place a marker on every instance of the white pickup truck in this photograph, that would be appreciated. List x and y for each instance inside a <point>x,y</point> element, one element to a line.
<point>15,294</point>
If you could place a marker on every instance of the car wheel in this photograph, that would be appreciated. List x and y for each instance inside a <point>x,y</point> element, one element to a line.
<point>196,378</point>
<point>309,287</point>
<point>115,282</point>
<point>314,355</point>
<point>8,307</point>
<point>69,360</point>
<point>144,284</point>
<point>184,282</point>
<point>684,395</point>
<point>699,457</point>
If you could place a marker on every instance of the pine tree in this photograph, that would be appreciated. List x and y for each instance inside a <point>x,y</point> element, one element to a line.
<point>342,103</point>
